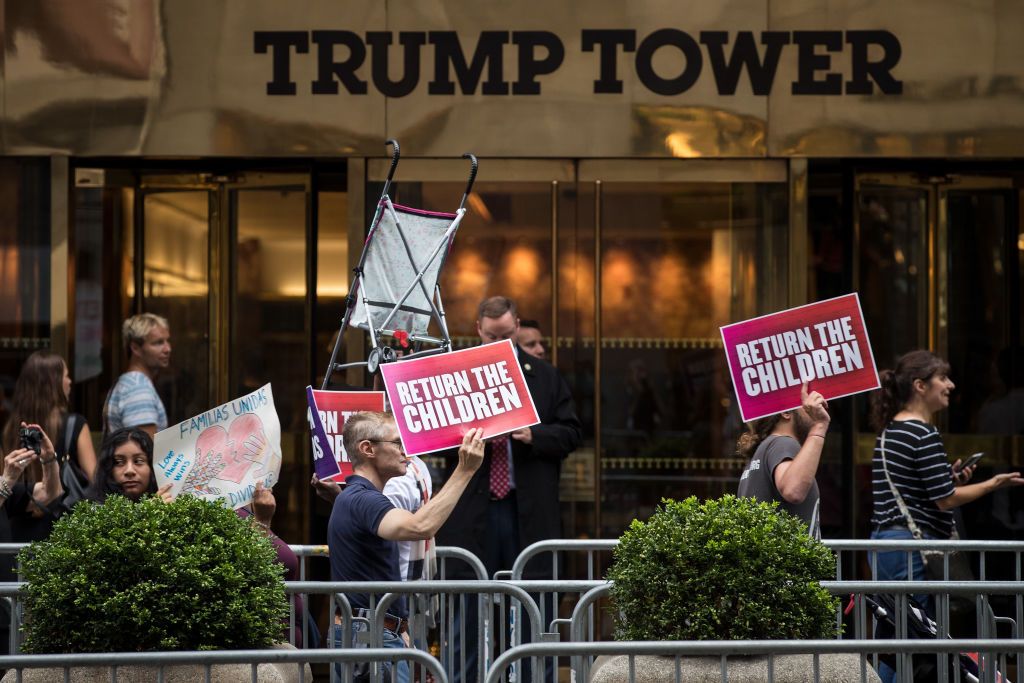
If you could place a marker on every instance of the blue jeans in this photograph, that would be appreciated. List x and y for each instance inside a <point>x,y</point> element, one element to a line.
<point>892,566</point>
<point>390,640</point>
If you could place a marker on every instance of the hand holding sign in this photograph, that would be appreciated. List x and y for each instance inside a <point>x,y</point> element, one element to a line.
<point>814,405</point>
<point>436,398</point>
<point>471,452</point>
<point>824,342</point>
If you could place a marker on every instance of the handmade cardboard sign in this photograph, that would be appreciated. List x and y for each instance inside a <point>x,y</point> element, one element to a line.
<point>824,344</point>
<point>326,413</point>
<point>437,399</point>
<point>221,454</point>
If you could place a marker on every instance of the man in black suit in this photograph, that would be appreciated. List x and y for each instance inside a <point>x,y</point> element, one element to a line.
<point>512,500</point>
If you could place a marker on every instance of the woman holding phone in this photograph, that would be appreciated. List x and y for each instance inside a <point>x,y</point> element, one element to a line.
<point>914,488</point>
<point>913,484</point>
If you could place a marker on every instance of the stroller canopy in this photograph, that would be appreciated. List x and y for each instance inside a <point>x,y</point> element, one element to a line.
<point>402,243</point>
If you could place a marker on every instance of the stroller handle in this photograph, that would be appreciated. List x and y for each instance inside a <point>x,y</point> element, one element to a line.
<point>396,153</point>
<point>474,165</point>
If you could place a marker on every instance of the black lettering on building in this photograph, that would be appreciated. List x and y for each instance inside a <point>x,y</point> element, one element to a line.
<point>669,37</point>
<point>341,55</point>
<point>744,56</point>
<point>327,69</point>
<point>530,67</point>
<point>810,62</point>
<point>864,71</point>
<point>448,54</point>
<point>411,42</point>
<point>280,44</point>
<point>608,40</point>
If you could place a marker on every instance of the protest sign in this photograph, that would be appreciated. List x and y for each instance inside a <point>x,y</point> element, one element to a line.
<point>824,344</point>
<point>437,399</point>
<point>221,454</point>
<point>326,413</point>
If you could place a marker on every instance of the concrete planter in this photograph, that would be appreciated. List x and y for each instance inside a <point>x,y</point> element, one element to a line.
<point>219,673</point>
<point>840,668</point>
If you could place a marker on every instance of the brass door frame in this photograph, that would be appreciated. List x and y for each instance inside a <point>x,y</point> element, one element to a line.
<point>601,171</point>
<point>220,261</point>
<point>560,172</point>
<point>936,188</point>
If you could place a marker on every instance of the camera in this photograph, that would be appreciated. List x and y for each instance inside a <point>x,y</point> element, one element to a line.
<point>31,438</point>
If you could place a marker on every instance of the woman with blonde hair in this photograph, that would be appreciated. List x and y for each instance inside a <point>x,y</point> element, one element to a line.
<point>41,398</point>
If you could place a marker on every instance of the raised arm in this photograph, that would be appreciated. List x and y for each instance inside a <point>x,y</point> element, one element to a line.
<point>50,488</point>
<point>794,478</point>
<point>402,525</point>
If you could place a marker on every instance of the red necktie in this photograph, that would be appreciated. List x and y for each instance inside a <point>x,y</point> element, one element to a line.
<point>500,484</point>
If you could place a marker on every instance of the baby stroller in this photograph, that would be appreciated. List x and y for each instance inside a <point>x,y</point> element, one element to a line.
<point>395,288</point>
<point>962,666</point>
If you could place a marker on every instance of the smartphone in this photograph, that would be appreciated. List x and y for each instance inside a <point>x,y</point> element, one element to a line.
<point>973,460</point>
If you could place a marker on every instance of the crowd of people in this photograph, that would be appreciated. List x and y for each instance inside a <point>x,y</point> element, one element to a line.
<point>43,478</point>
<point>499,495</point>
<point>51,463</point>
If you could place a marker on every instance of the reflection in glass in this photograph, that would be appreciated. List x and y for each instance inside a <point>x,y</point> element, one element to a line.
<point>269,341</point>
<point>24,267</point>
<point>332,275</point>
<point>986,353</point>
<point>981,344</point>
<point>677,262</point>
<point>176,286</point>
<point>893,269</point>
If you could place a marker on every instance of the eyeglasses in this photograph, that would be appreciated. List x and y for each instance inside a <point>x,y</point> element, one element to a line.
<point>397,443</point>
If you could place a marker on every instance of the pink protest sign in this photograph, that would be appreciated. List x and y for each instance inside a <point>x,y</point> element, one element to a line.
<point>437,399</point>
<point>327,412</point>
<point>824,344</point>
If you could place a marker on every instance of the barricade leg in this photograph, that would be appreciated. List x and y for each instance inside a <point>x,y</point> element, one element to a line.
<point>546,603</point>
<point>463,639</point>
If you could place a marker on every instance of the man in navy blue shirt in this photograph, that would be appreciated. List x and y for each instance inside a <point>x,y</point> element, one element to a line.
<point>365,525</point>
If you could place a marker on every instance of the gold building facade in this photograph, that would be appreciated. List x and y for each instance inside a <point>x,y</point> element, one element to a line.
<point>648,172</point>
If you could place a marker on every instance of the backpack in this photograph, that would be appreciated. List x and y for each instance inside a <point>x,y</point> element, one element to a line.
<point>72,477</point>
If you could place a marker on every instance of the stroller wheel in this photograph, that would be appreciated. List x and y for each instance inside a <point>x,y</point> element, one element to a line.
<point>382,354</point>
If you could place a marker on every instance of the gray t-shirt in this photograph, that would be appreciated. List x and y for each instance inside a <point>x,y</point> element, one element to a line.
<point>758,480</point>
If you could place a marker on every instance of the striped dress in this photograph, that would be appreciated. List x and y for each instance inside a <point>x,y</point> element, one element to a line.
<point>921,472</point>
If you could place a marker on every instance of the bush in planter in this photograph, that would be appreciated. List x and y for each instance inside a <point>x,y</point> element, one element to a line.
<point>123,576</point>
<point>726,569</point>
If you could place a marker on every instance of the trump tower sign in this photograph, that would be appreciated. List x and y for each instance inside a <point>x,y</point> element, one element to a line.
<point>824,344</point>
<point>437,399</point>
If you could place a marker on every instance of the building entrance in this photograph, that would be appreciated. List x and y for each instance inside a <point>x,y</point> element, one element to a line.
<point>938,265</point>
<point>225,258</point>
<point>628,268</point>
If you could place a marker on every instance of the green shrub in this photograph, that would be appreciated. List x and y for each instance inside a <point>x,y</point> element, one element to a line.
<point>727,569</point>
<point>123,576</point>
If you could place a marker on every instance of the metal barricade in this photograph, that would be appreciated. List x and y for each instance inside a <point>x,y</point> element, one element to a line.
<point>848,551</point>
<point>206,660</point>
<point>770,649</point>
<point>843,548</point>
<point>446,557</point>
<point>383,594</point>
<point>581,625</point>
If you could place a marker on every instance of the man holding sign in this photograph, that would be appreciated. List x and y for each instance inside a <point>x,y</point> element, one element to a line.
<point>365,525</point>
<point>512,501</point>
<point>786,450</point>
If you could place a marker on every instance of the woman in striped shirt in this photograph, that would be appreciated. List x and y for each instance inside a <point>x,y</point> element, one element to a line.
<point>915,462</point>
